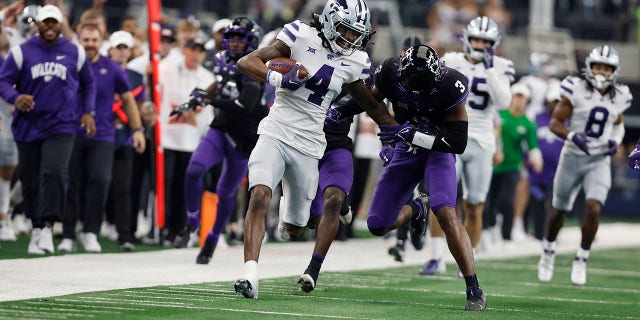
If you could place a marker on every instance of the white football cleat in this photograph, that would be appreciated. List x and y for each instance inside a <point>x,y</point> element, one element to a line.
<point>579,272</point>
<point>545,267</point>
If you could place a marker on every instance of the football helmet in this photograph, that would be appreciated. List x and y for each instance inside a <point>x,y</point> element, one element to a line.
<point>481,28</point>
<point>603,54</point>
<point>420,68</point>
<point>354,16</point>
<point>245,30</point>
<point>27,20</point>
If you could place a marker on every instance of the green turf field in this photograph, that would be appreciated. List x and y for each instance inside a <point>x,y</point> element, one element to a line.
<point>513,292</point>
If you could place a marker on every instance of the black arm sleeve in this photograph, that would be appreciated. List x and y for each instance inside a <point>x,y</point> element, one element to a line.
<point>349,109</point>
<point>453,139</point>
<point>245,103</point>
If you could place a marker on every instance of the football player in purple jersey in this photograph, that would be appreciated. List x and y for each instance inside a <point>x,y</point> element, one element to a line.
<point>232,136</point>
<point>429,100</point>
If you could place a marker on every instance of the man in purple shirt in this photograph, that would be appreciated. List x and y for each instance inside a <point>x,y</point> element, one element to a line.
<point>54,85</point>
<point>92,157</point>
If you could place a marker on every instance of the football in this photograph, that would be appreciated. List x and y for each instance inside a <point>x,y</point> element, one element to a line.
<point>284,65</point>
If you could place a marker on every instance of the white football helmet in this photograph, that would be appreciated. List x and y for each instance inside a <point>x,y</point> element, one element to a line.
<point>541,64</point>
<point>603,54</point>
<point>482,28</point>
<point>352,14</point>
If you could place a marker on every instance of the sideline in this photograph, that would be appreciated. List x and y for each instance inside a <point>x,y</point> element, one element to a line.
<point>60,275</point>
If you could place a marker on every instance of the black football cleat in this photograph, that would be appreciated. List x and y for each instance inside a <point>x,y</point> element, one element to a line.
<point>476,300</point>
<point>418,227</point>
<point>206,252</point>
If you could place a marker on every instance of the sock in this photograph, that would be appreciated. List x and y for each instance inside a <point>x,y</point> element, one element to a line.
<point>5,195</point>
<point>193,218</point>
<point>251,268</point>
<point>437,248</point>
<point>549,247</point>
<point>314,266</point>
<point>583,254</point>
<point>416,213</point>
<point>472,283</point>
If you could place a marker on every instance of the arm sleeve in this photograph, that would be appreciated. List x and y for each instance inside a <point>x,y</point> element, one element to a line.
<point>9,75</point>
<point>498,88</point>
<point>245,103</point>
<point>87,87</point>
<point>453,139</point>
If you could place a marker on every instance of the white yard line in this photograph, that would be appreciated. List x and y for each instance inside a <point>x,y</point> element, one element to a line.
<point>60,275</point>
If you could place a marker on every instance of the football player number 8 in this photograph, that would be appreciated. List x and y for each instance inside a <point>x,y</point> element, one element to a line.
<point>319,84</point>
<point>597,119</point>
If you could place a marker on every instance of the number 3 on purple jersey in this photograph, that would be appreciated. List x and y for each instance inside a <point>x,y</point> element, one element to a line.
<point>480,98</point>
<point>319,84</point>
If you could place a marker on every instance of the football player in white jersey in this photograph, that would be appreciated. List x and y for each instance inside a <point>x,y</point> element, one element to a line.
<point>593,109</point>
<point>291,138</point>
<point>489,79</point>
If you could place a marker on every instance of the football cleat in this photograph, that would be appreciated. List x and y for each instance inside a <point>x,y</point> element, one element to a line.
<point>306,282</point>
<point>206,252</point>
<point>579,272</point>
<point>545,266</point>
<point>433,266</point>
<point>476,300</point>
<point>418,227</point>
<point>183,236</point>
<point>247,286</point>
<point>397,252</point>
<point>346,218</point>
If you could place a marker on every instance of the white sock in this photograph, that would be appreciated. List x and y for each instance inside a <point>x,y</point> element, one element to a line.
<point>548,246</point>
<point>583,254</point>
<point>5,195</point>
<point>518,224</point>
<point>437,247</point>
<point>251,268</point>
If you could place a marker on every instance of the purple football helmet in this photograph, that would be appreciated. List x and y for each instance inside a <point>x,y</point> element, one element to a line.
<point>245,30</point>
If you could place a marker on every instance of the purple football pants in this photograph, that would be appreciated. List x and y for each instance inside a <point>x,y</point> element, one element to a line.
<point>336,170</point>
<point>213,149</point>
<point>401,176</point>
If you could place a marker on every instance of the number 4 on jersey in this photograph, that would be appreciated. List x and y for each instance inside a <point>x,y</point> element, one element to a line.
<point>319,84</point>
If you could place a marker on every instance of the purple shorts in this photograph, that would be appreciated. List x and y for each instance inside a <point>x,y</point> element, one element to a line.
<point>336,170</point>
<point>401,176</point>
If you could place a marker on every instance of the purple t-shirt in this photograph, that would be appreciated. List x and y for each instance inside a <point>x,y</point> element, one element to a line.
<point>110,79</point>
<point>56,76</point>
<point>550,146</point>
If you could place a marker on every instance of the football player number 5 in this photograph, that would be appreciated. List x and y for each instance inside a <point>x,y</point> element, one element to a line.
<point>319,84</point>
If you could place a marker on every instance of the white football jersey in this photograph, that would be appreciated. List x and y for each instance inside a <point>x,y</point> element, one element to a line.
<point>539,89</point>
<point>481,108</point>
<point>593,113</point>
<point>297,117</point>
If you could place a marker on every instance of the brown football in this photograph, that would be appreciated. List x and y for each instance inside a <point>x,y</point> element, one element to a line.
<point>284,65</point>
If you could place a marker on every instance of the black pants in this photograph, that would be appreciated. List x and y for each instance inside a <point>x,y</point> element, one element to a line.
<point>175,167</point>
<point>45,176</point>
<point>141,180</point>
<point>90,176</point>
<point>501,199</point>
<point>119,202</point>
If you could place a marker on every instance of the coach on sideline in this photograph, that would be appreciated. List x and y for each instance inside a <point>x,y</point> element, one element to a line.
<point>51,75</point>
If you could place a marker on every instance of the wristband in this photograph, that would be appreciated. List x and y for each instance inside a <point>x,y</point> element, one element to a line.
<point>138,129</point>
<point>570,135</point>
<point>423,140</point>
<point>274,78</point>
